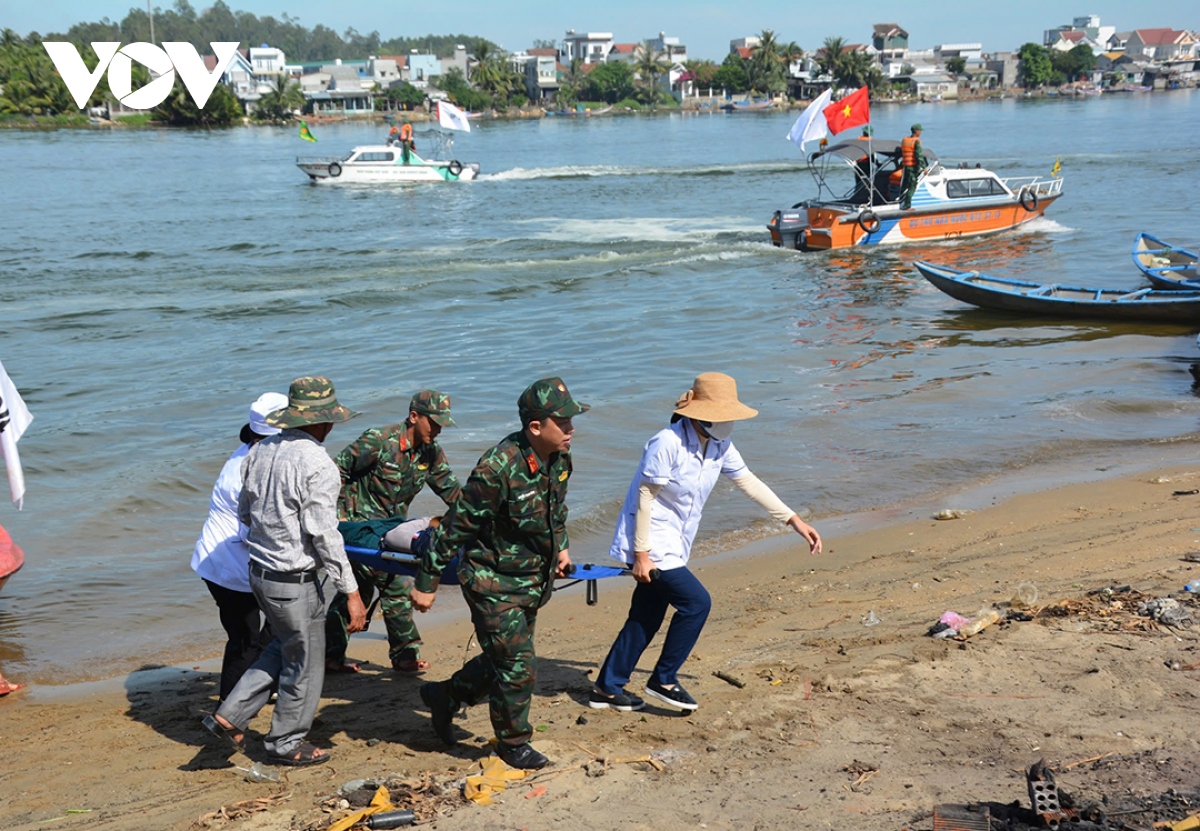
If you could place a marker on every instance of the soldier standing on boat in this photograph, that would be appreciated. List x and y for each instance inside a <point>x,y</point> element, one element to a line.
<point>509,530</point>
<point>913,161</point>
<point>382,472</point>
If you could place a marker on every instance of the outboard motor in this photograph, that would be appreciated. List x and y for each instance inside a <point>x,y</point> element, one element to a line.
<point>788,228</point>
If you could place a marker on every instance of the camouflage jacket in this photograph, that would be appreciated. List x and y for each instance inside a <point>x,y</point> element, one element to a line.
<point>382,474</point>
<point>510,524</point>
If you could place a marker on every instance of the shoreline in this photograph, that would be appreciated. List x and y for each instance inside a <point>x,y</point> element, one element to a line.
<point>839,681</point>
<point>730,547</point>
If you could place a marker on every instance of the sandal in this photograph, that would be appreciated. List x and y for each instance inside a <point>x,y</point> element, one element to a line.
<point>306,754</point>
<point>235,737</point>
<point>415,666</point>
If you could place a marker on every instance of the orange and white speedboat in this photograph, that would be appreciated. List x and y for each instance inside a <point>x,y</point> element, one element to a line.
<point>858,200</point>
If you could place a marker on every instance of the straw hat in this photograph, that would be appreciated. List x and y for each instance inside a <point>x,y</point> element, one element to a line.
<point>713,397</point>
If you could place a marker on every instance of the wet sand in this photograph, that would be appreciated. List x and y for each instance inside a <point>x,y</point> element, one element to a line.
<point>839,724</point>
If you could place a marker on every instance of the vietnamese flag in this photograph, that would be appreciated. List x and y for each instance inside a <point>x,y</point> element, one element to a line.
<point>851,111</point>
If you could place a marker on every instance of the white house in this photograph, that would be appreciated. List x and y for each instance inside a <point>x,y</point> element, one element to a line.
<point>588,47</point>
<point>1161,44</point>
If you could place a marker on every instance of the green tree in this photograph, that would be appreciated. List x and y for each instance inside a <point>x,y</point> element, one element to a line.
<point>610,82</point>
<point>732,76</point>
<point>1034,67</point>
<point>829,57</point>
<point>703,71</point>
<point>406,96</point>
<point>1073,63</point>
<point>573,83</point>
<point>767,67</point>
<point>650,66</point>
<point>493,72</point>
<point>179,110</point>
<point>278,104</point>
<point>956,65</point>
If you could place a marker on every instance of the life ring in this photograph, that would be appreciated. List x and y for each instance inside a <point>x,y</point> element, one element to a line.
<point>455,167</point>
<point>335,169</point>
<point>868,221</point>
<point>1029,200</point>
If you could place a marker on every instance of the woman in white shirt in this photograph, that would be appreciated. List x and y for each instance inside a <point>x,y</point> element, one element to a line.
<point>654,535</point>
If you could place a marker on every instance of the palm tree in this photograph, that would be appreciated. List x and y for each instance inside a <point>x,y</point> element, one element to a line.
<point>279,103</point>
<point>767,65</point>
<point>650,65</point>
<point>573,81</point>
<point>829,56</point>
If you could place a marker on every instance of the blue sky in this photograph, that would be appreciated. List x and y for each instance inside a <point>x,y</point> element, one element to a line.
<point>705,27</point>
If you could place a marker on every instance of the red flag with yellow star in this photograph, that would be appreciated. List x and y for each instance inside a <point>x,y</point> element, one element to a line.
<point>851,111</point>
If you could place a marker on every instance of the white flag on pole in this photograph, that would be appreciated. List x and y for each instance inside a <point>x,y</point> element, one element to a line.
<point>811,125</point>
<point>452,118</point>
<point>14,418</point>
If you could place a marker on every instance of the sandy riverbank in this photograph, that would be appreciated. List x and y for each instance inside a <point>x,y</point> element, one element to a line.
<point>839,724</point>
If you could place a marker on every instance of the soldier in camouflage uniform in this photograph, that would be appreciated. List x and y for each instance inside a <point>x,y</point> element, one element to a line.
<point>382,472</point>
<point>510,531</point>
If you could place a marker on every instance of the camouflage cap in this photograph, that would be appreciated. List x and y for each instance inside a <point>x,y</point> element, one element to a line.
<point>311,400</point>
<point>434,404</point>
<point>548,397</point>
<point>916,128</point>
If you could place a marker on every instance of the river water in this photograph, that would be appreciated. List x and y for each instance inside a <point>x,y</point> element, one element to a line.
<point>153,283</point>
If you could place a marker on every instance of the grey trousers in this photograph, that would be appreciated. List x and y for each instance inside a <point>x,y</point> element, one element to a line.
<point>295,659</point>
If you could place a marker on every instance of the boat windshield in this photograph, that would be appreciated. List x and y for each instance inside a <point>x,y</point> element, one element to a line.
<point>860,172</point>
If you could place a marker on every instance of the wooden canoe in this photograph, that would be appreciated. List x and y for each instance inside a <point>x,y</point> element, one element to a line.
<point>1166,266</point>
<point>1051,299</point>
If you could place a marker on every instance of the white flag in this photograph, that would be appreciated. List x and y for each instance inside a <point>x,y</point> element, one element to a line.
<point>14,418</point>
<point>452,118</point>
<point>811,125</point>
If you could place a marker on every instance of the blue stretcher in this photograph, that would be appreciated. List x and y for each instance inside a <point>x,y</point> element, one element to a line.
<point>396,562</point>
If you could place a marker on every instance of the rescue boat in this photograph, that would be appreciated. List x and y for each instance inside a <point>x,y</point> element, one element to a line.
<point>858,200</point>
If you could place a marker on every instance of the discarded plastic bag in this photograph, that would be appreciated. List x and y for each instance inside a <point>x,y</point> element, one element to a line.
<point>382,801</point>
<point>980,623</point>
<point>493,777</point>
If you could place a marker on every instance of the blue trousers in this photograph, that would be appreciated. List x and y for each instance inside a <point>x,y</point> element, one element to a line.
<point>678,588</point>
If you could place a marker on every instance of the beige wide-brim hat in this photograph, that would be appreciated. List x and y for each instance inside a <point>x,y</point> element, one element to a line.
<point>713,397</point>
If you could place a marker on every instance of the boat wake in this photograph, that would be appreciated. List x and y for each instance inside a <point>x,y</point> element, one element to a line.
<point>639,229</point>
<point>597,171</point>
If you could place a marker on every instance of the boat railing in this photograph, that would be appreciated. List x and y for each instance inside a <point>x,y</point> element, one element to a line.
<point>1035,184</point>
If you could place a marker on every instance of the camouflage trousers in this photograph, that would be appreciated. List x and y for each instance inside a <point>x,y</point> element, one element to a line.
<point>505,672</point>
<point>404,640</point>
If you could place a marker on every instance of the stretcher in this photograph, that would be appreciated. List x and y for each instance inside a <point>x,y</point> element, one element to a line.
<point>399,562</point>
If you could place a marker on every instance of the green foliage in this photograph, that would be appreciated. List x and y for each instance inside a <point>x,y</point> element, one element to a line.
<point>278,104</point>
<point>956,65</point>
<point>1035,67</point>
<point>849,68</point>
<point>1073,63</point>
<point>220,23</point>
<point>610,82</point>
<point>572,84</point>
<point>179,110</point>
<point>453,82</point>
<point>702,72</point>
<point>767,68</point>
<point>473,100</point>
<point>493,73</point>
<point>628,104</point>
<point>31,85</point>
<point>650,66</point>
<point>405,96</point>
<point>732,75</point>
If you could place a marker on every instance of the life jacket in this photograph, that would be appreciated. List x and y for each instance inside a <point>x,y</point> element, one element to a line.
<point>908,150</point>
<point>406,132</point>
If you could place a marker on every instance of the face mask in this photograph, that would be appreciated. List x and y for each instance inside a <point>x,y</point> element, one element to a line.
<point>719,430</point>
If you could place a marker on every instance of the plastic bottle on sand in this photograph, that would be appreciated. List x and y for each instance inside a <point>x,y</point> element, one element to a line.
<point>977,625</point>
<point>258,772</point>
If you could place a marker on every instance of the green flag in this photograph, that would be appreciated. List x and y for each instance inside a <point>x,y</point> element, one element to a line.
<point>304,132</point>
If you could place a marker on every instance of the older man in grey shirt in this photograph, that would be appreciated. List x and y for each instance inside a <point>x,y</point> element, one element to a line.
<point>289,504</point>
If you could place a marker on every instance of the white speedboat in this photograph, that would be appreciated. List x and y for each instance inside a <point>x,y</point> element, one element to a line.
<point>384,163</point>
